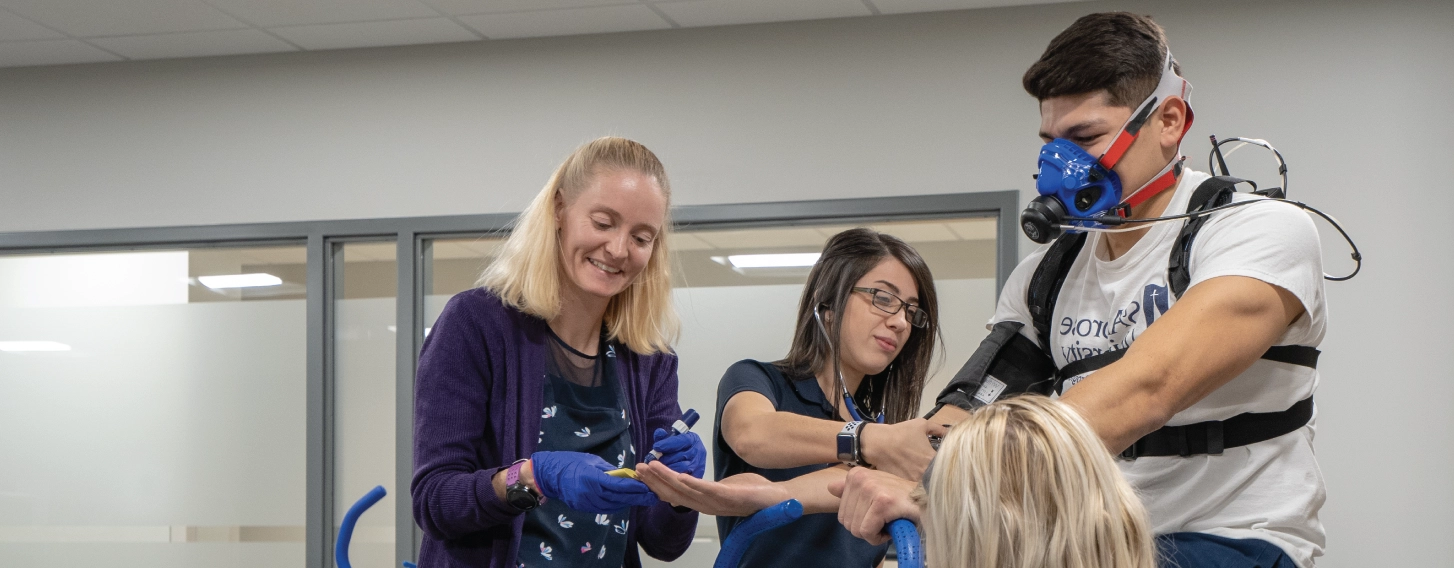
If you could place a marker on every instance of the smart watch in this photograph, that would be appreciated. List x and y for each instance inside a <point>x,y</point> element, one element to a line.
<point>517,494</point>
<point>850,452</point>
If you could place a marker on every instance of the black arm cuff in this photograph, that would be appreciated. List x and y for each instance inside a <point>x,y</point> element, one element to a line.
<point>1013,362</point>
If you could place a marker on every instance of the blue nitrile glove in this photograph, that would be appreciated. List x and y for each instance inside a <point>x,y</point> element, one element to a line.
<point>580,481</point>
<point>683,453</point>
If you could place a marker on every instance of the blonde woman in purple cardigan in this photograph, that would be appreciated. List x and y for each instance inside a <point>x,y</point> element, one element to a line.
<point>554,371</point>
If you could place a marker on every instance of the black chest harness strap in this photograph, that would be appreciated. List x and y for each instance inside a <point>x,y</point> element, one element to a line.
<point>1007,363</point>
<point>1213,436</point>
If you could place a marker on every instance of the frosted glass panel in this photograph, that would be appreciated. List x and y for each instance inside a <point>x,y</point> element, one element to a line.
<point>170,433</point>
<point>109,279</point>
<point>364,398</point>
<point>455,265</point>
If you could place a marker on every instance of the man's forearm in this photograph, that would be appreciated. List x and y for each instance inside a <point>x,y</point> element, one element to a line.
<point>1215,332</point>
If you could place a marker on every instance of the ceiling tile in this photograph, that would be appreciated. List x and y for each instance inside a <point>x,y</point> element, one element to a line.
<point>50,52</point>
<point>685,241</point>
<point>371,34</point>
<point>88,18</point>
<point>762,238</point>
<point>985,229</point>
<point>16,28</point>
<point>726,12</point>
<point>269,13</point>
<point>194,44</point>
<point>918,232</point>
<point>828,231</point>
<point>463,7</point>
<point>905,6</point>
<point>475,248</point>
<point>271,255</point>
<point>370,252</point>
<point>572,21</point>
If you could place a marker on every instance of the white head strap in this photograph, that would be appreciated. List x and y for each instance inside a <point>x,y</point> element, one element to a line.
<point>1171,85</point>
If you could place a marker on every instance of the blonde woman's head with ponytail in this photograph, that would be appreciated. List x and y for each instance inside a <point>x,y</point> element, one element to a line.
<point>1025,483</point>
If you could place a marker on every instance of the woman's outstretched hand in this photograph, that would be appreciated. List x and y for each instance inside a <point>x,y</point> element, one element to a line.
<point>901,449</point>
<point>737,496</point>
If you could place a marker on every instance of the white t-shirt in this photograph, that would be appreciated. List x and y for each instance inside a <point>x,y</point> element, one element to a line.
<point>1270,490</point>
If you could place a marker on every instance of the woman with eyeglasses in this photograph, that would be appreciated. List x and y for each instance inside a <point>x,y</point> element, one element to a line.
<point>866,328</point>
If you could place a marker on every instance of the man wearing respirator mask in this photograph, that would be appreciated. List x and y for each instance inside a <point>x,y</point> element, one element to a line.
<point>1188,345</point>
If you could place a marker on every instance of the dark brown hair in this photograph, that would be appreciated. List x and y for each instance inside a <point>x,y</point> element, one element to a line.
<point>846,258</point>
<point>1118,52</point>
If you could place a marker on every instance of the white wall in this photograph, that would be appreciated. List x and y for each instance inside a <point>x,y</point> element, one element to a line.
<point>1352,92</point>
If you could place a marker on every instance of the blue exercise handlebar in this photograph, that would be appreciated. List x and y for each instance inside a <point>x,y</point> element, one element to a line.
<point>906,543</point>
<point>770,518</point>
<point>345,530</point>
<point>906,536</point>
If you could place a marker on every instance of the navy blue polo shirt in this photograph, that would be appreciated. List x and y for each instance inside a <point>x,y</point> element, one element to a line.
<point>814,540</point>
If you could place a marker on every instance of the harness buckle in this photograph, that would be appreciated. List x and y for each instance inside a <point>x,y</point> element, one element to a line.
<point>1215,440</point>
<point>1131,452</point>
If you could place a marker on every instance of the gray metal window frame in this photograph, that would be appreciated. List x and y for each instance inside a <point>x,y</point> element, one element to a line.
<point>413,237</point>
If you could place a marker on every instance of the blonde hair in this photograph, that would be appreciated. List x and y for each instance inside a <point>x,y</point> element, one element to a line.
<point>1025,483</point>
<point>526,275</point>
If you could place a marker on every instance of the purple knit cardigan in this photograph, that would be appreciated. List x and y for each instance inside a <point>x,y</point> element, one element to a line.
<point>477,404</point>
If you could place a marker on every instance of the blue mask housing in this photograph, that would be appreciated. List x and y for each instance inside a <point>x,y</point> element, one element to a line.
<point>1078,189</point>
<point>1076,179</point>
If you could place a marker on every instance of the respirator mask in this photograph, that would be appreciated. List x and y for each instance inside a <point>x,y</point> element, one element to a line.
<point>1079,190</point>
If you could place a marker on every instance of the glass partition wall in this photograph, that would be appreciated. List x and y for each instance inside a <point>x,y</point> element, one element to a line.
<point>152,406</point>
<point>157,416</point>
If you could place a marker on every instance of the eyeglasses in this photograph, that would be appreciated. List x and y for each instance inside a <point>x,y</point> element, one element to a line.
<point>891,304</point>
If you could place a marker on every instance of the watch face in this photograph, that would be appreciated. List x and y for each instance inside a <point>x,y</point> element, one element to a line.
<point>521,498</point>
<point>845,447</point>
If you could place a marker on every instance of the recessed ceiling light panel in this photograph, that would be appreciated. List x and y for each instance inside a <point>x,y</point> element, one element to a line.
<point>32,346</point>
<point>239,281</point>
<point>790,260</point>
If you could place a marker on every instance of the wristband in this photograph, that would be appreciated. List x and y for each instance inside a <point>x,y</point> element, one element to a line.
<point>858,444</point>
<point>517,494</point>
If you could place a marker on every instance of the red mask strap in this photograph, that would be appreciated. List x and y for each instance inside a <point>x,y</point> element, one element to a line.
<point>1162,182</point>
<point>1128,134</point>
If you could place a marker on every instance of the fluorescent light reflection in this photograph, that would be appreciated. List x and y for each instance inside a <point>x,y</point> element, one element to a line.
<point>773,260</point>
<point>239,281</point>
<point>32,346</point>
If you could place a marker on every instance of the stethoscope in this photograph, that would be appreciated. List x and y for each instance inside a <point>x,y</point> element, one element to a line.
<point>838,371</point>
